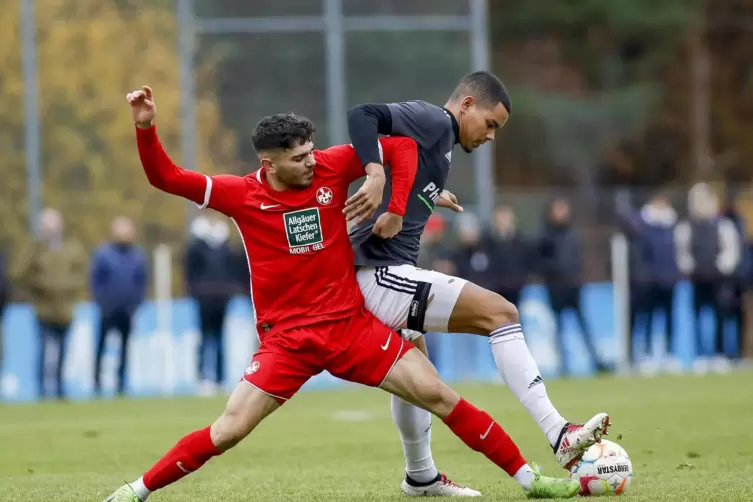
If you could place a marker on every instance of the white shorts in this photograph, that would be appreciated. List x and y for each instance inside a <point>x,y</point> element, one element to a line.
<point>410,298</point>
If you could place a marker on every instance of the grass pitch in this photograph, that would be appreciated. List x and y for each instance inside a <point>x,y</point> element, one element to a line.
<point>690,438</point>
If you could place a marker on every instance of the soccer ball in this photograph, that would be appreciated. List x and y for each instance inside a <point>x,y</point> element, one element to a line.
<point>605,469</point>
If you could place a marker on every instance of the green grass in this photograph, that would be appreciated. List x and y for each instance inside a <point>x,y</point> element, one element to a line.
<point>690,438</point>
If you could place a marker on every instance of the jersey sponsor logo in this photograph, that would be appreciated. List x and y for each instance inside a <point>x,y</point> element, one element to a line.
<point>429,195</point>
<point>324,196</point>
<point>303,229</point>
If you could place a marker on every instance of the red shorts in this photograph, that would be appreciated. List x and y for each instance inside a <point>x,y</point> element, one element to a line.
<point>358,349</point>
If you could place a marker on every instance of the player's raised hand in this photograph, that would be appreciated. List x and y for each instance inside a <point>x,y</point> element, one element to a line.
<point>388,225</point>
<point>366,200</point>
<point>143,109</point>
<point>448,200</point>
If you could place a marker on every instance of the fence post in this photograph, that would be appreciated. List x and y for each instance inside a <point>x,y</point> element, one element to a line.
<point>621,298</point>
<point>163,301</point>
<point>31,112</point>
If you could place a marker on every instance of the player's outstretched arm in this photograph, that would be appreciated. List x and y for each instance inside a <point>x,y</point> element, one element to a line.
<point>160,170</point>
<point>163,173</point>
<point>224,193</point>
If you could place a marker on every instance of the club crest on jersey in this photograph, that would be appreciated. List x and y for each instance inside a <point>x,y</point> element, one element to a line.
<point>303,229</point>
<point>253,367</point>
<point>324,196</point>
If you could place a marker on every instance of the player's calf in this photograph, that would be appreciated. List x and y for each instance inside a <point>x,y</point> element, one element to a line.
<point>415,380</point>
<point>480,311</point>
<point>245,409</point>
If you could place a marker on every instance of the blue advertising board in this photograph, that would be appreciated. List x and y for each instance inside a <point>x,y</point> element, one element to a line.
<point>164,361</point>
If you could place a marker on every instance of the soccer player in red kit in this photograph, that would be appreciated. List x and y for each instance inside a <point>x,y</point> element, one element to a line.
<point>310,311</point>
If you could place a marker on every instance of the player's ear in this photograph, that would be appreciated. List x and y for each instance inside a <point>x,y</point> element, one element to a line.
<point>267,163</point>
<point>467,103</point>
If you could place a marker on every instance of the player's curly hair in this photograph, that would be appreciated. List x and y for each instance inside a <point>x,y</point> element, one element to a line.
<point>282,131</point>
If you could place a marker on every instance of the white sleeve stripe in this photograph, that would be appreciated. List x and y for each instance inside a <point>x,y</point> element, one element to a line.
<point>207,194</point>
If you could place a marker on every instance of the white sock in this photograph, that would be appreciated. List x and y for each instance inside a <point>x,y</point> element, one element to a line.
<point>414,425</point>
<point>520,373</point>
<point>524,476</point>
<point>140,489</point>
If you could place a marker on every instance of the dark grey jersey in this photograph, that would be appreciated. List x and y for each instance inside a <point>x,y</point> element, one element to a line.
<point>434,130</point>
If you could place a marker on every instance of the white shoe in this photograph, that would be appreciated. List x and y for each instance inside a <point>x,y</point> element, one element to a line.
<point>442,487</point>
<point>744,365</point>
<point>576,439</point>
<point>702,365</point>
<point>648,367</point>
<point>123,494</point>
<point>672,365</point>
<point>721,365</point>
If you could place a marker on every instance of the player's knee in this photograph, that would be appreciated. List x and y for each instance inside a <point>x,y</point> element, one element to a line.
<point>228,430</point>
<point>497,312</point>
<point>438,397</point>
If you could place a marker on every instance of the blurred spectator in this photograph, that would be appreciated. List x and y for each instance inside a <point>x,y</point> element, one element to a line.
<point>510,255</point>
<point>708,252</point>
<point>657,272</point>
<point>118,281</point>
<point>471,259</point>
<point>211,280</point>
<point>4,297</point>
<point>561,265</point>
<point>433,254</point>
<point>632,224</point>
<point>738,281</point>
<point>747,332</point>
<point>52,272</point>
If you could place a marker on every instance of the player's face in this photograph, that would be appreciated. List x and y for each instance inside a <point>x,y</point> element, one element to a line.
<point>294,167</point>
<point>479,124</point>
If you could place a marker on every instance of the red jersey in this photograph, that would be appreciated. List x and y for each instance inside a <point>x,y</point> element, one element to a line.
<point>296,241</point>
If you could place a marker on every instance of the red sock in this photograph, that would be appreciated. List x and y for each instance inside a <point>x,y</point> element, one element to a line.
<point>481,433</point>
<point>188,455</point>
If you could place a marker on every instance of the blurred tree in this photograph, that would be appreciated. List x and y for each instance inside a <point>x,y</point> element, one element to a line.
<point>90,54</point>
<point>582,73</point>
<point>729,39</point>
<point>609,42</point>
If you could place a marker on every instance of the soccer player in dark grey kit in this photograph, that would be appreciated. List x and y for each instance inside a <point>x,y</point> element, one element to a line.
<point>416,300</point>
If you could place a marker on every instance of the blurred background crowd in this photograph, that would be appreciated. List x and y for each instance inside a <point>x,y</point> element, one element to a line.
<point>630,119</point>
<point>703,243</point>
